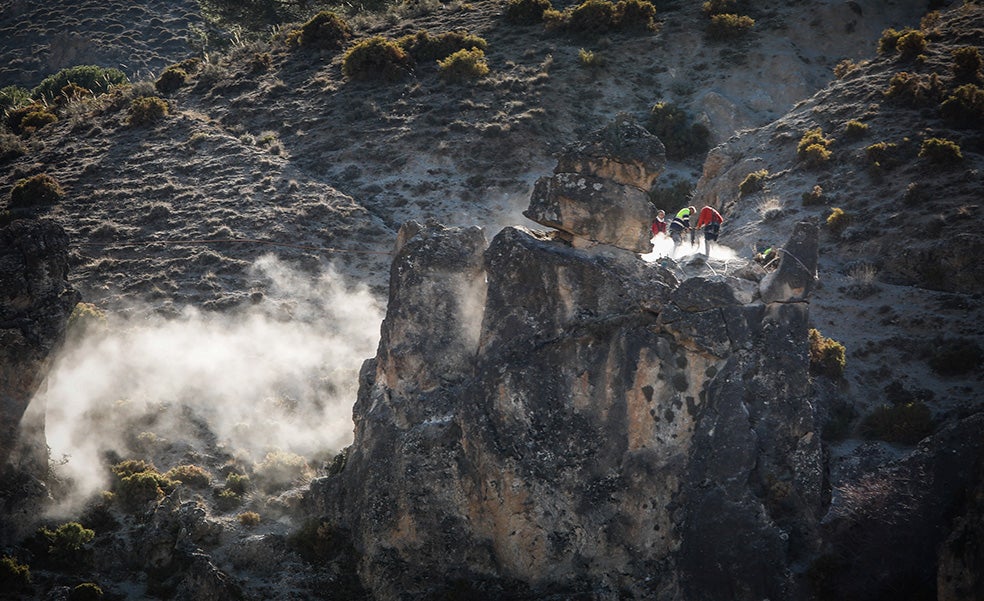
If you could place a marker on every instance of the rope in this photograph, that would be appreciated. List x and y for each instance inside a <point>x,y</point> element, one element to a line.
<point>177,242</point>
<point>805,268</point>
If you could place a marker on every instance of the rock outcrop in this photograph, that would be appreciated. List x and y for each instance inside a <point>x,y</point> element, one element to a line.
<point>603,433</point>
<point>599,190</point>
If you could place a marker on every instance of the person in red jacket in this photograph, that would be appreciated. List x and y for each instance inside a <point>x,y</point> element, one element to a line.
<point>659,226</point>
<point>711,221</point>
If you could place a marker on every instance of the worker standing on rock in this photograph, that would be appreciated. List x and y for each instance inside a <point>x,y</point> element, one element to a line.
<point>711,221</point>
<point>680,224</point>
<point>659,226</point>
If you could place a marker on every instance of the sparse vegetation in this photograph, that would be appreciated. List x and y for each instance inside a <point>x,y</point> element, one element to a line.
<point>812,148</point>
<point>12,97</point>
<point>85,317</point>
<point>27,118</point>
<point>594,18</point>
<point>882,155</point>
<point>37,190</point>
<point>718,7</point>
<point>376,58</point>
<point>813,196</point>
<point>314,540</point>
<point>837,220</point>
<point>280,469</point>
<point>97,80</point>
<point>146,110</point>
<point>941,151</point>
<point>464,65</point>
<point>590,59</point>
<point>727,26</point>
<point>845,68</point>
<point>673,196</point>
<point>753,182</point>
<point>827,356</point>
<point>911,44</point>
<point>526,12</point>
<point>171,80</point>
<point>905,423</point>
<point>674,128</point>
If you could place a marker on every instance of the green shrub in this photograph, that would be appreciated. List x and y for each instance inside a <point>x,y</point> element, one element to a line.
<point>326,30</point>
<point>96,79</point>
<point>727,26</point>
<point>14,576</point>
<point>128,467</point>
<point>12,97</point>
<point>913,89</point>
<point>171,80</point>
<point>965,107</point>
<point>67,540</point>
<point>593,18</point>
<point>826,355</point>
<point>375,58</point>
<point>674,129</point>
<point>238,483</point>
<point>956,356</point>
<point>146,110</point>
<point>423,47</point>
<point>854,130</point>
<point>228,499</point>
<point>753,182</point>
<point>906,423</point>
<point>911,44</point>
<point>812,147</point>
<point>190,475</point>
<point>884,155</point>
<point>136,491</point>
<point>941,151</point>
<point>464,65</point>
<point>837,220</point>
<point>40,189</point>
<point>249,519</point>
<point>87,591</point>
<point>967,64</point>
<point>526,12</point>
<point>635,15</point>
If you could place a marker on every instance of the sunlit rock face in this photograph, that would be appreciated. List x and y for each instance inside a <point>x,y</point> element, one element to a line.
<point>35,302</point>
<point>607,429</point>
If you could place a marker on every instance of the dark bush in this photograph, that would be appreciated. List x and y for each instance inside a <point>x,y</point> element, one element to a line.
<point>87,591</point>
<point>11,147</point>
<point>326,30</point>
<point>260,62</point>
<point>526,12</point>
<point>753,182</point>
<point>67,541</point>
<point>14,576</point>
<point>717,7</point>
<point>888,43</point>
<point>911,44</point>
<point>15,117</point>
<point>965,107</point>
<point>675,130</point>
<point>593,18</point>
<point>238,483</point>
<point>41,189</point>
<point>71,93</point>
<point>422,46</point>
<point>906,423</point>
<point>96,79</point>
<point>171,80</point>
<point>827,357</point>
<point>883,155</point>
<point>635,15</point>
<point>35,120</point>
<point>812,147</point>
<point>727,26</point>
<point>138,483</point>
<point>914,90</point>
<point>146,110</point>
<point>854,130</point>
<point>376,58</point>
<point>956,357</point>
<point>814,196</point>
<point>941,151</point>
<point>967,64</point>
<point>464,65</point>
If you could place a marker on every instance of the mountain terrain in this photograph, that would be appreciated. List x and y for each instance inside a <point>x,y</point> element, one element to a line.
<point>273,168</point>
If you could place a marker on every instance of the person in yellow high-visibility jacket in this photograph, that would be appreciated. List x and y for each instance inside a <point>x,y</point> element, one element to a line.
<point>680,224</point>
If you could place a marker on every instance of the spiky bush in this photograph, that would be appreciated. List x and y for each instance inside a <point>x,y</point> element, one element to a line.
<point>40,189</point>
<point>753,182</point>
<point>911,44</point>
<point>906,423</point>
<point>171,79</point>
<point>376,58</point>
<point>940,151</point>
<point>146,110</point>
<point>87,591</point>
<point>464,65</point>
<point>97,80</point>
<point>14,576</point>
<point>423,46</point>
<point>728,26</point>
<point>967,64</point>
<point>965,107</point>
<point>827,356</point>
<point>674,129</point>
<point>837,220</point>
<point>854,129</point>
<point>325,30</point>
<point>812,147</point>
<point>526,12</point>
<point>190,475</point>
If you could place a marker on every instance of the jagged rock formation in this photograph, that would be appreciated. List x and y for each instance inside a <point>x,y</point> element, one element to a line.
<point>604,432</point>
<point>598,193</point>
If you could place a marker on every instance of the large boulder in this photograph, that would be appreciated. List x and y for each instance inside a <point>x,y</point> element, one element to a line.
<point>623,152</point>
<point>796,275</point>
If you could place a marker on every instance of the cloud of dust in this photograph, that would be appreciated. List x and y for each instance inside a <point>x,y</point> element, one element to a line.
<point>281,374</point>
<point>663,247</point>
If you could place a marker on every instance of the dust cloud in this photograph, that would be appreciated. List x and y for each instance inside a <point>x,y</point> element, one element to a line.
<point>663,247</point>
<point>279,375</point>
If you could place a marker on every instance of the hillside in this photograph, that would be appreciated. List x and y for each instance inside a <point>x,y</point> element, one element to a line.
<point>260,216</point>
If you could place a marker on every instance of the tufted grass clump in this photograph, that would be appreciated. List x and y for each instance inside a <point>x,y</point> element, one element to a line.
<point>753,182</point>
<point>813,147</point>
<point>423,46</point>
<point>941,151</point>
<point>86,591</point>
<point>37,190</point>
<point>526,12</point>
<point>905,423</point>
<point>96,79</point>
<point>964,108</point>
<point>190,475</point>
<point>729,26</point>
<point>376,58</point>
<point>146,110</point>
<point>855,130</point>
<point>464,65</point>
<point>14,576</point>
<point>325,31</point>
<point>827,357</point>
<point>171,80</point>
<point>837,221</point>
<point>967,63</point>
<point>679,135</point>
